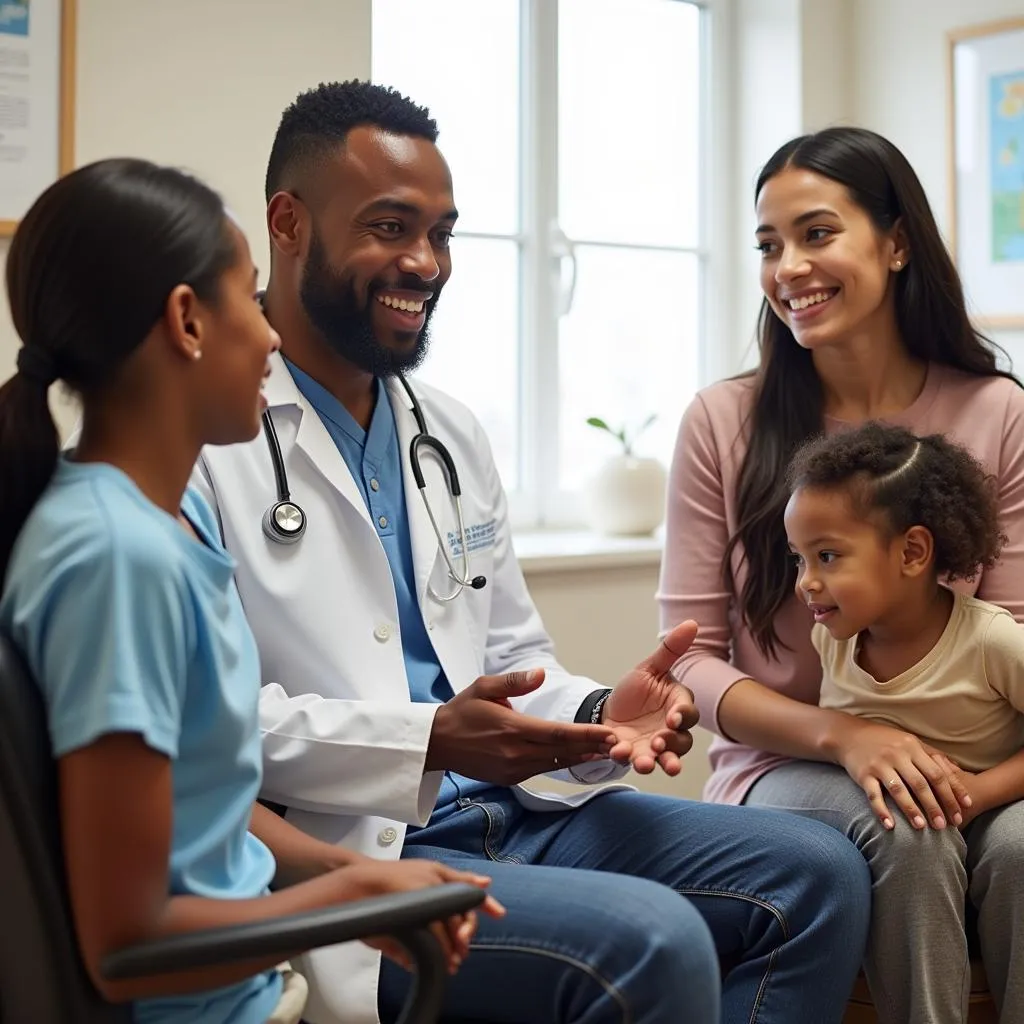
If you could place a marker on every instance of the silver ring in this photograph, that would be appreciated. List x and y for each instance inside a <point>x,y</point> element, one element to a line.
<point>892,782</point>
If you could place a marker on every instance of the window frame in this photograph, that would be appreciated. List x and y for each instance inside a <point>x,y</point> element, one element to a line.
<point>542,251</point>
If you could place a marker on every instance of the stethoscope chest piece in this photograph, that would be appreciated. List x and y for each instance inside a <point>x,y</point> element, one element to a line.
<point>284,522</point>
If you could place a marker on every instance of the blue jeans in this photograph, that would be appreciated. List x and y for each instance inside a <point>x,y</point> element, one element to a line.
<point>621,910</point>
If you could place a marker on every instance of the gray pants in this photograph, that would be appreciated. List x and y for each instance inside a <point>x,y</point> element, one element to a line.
<point>917,964</point>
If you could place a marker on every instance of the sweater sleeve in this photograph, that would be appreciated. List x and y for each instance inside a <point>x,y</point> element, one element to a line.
<point>692,584</point>
<point>1003,584</point>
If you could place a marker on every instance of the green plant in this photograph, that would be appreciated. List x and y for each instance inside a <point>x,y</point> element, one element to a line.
<point>625,439</point>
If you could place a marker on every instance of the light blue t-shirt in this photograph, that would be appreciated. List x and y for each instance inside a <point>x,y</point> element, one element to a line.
<point>375,462</point>
<point>130,625</point>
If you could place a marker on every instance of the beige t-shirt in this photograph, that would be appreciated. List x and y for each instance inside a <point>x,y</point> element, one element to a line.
<point>965,697</point>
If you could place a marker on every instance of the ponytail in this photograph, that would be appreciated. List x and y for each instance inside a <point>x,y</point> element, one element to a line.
<point>29,448</point>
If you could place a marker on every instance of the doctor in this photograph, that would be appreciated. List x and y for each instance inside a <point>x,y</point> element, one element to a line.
<point>405,697</point>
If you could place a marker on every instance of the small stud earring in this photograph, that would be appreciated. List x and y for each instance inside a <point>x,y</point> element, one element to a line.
<point>197,354</point>
<point>898,264</point>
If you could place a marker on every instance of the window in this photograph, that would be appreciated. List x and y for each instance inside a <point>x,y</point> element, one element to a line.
<point>574,130</point>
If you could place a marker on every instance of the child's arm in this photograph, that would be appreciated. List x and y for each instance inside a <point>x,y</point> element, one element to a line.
<point>987,790</point>
<point>116,818</point>
<point>299,856</point>
<point>1001,785</point>
<point>1004,671</point>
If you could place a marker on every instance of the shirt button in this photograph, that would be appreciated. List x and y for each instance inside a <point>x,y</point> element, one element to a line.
<point>430,624</point>
<point>383,632</point>
<point>387,836</point>
<point>383,521</point>
<point>374,484</point>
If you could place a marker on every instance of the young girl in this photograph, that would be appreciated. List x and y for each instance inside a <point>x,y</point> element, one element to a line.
<point>128,282</point>
<point>878,521</point>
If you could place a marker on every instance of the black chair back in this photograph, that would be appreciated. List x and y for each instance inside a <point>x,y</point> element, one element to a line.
<point>42,978</point>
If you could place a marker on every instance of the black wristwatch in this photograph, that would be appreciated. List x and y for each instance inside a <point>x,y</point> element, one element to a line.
<point>591,709</point>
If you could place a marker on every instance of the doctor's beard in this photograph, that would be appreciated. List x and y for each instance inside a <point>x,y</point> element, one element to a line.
<point>331,303</point>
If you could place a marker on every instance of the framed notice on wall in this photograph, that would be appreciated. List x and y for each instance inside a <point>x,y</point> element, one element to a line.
<point>37,100</point>
<point>986,155</point>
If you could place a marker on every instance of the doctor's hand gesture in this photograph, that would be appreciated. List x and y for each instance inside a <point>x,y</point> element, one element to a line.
<point>480,735</point>
<point>650,713</point>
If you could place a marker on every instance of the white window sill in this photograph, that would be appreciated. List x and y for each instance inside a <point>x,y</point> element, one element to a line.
<point>541,551</point>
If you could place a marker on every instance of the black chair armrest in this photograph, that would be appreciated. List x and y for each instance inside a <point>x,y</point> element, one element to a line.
<point>393,914</point>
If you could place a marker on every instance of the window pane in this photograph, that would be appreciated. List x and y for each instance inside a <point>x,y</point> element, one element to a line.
<point>474,336</point>
<point>628,348</point>
<point>460,58</point>
<point>629,120</point>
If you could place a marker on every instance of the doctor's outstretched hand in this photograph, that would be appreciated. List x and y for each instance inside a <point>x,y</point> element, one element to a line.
<point>480,735</point>
<point>650,713</point>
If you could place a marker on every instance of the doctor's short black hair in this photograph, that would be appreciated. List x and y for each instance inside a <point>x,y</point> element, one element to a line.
<point>320,119</point>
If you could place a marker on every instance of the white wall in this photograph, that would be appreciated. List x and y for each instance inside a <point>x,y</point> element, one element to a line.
<point>899,50</point>
<point>767,83</point>
<point>201,84</point>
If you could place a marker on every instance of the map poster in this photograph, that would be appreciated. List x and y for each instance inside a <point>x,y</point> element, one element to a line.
<point>986,91</point>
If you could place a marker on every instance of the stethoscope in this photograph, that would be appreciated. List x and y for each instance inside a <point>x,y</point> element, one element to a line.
<point>285,521</point>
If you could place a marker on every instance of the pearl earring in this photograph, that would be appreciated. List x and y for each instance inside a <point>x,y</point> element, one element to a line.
<point>899,264</point>
<point>197,354</point>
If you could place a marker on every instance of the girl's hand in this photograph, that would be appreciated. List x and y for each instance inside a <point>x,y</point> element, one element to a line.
<point>967,779</point>
<point>883,760</point>
<point>375,878</point>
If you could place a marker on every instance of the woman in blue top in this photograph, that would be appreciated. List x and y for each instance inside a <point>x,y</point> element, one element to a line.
<point>129,283</point>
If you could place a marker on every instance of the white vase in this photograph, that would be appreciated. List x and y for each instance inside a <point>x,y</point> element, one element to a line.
<point>626,497</point>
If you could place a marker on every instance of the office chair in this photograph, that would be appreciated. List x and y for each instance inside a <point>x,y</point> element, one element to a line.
<point>42,977</point>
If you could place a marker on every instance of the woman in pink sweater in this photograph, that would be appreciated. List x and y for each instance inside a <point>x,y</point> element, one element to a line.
<point>863,318</point>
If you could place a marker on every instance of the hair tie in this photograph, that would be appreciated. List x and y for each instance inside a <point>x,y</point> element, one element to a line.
<point>37,365</point>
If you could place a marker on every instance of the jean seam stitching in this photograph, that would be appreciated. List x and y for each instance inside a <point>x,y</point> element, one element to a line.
<point>614,992</point>
<point>491,827</point>
<point>780,918</point>
<point>759,997</point>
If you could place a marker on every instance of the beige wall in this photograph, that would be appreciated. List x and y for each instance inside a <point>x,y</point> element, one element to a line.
<point>899,87</point>
<point>201,84</point>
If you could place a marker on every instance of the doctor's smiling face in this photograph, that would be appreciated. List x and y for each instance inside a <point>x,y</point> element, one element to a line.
<point>378,256</point>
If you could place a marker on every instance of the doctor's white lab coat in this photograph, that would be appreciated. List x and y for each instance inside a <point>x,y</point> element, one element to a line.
<point>344,746</point>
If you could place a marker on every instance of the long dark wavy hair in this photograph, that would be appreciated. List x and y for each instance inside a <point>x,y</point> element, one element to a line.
<point>932,319</point>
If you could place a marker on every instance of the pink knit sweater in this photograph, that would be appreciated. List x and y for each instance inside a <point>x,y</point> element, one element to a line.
<point>985,414</point>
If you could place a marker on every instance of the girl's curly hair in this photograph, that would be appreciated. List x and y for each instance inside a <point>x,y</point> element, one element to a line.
<point>911,481</point>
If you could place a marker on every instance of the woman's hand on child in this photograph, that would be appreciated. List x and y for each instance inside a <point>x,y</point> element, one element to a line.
<point>377,878</point>
<point>887,761</point>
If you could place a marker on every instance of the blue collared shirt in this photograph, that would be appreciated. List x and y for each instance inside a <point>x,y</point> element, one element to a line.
<point>374,460</point>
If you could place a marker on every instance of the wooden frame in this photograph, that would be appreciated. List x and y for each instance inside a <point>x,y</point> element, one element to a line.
<point>979,281</point>
<point>64,123</point>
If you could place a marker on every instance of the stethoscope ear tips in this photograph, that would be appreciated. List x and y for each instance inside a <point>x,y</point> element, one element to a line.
<point>284,522</point>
